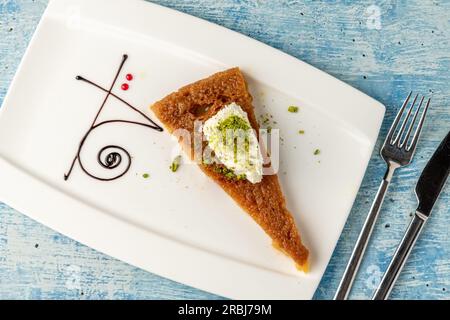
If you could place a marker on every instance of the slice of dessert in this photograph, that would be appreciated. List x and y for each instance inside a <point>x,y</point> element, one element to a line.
<point>223,105</point>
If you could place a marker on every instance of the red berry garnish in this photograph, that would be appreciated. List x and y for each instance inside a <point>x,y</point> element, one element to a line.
<point>129,77</point>
<point>125,86</point>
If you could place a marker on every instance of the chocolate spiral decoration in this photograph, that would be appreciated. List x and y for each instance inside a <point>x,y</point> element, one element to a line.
<point>112,158</point>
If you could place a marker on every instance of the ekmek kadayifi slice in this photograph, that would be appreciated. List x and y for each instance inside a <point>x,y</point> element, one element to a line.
<point>263,201</point>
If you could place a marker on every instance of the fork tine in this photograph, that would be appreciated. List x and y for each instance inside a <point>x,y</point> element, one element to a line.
<point>411,126</point>
<point>397,119</point>
<point>419,128</point>
<point>398,139</point>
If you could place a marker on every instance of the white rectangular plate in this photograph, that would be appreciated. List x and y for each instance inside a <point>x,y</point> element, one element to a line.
<point>178,225</point>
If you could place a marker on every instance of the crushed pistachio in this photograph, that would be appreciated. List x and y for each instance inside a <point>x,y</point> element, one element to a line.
<point>316,152</point>
<point>267,122</point>
<point>229,174</point>
<point>146,176</point>
<point>230,136</point>
<point>265,118</point>
<point>301,131</point>
<point>293,109</point>
<point>175,164</point>
<point>233,122</point>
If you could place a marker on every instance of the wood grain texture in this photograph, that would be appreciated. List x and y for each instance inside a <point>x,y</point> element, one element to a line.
<point>410,51</point>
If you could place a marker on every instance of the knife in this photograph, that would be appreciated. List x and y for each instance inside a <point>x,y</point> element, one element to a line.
<point>428,188</point>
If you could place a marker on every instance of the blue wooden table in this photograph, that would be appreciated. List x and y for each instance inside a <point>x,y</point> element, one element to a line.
<point>384,48</point>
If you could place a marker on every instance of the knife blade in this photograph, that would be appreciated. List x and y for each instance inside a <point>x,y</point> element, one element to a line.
<point>433,177</point>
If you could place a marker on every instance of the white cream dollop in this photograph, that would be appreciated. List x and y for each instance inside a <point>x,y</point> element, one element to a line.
<point>238,150</point>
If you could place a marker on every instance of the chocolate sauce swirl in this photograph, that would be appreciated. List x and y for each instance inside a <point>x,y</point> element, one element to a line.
<point>111,157</point>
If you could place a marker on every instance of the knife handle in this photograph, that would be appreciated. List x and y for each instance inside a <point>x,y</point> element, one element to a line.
<point>400,257</point>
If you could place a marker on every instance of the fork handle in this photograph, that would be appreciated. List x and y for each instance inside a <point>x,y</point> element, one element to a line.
<point>400,257</point>
<point>361,244</point>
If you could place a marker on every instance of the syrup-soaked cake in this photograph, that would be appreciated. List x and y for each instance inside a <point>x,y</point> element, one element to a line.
<point>264,201</point>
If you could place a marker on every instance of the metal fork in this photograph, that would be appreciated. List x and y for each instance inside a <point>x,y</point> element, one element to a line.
<point>396,152</point>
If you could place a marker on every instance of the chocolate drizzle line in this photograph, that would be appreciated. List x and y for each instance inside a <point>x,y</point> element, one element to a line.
<point>110,156</point>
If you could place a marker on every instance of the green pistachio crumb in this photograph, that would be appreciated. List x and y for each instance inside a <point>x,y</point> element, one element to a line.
<point>293,109</point>
<point>229,174</point>
<point>145,176</point>
<point>175,164</point>
<point>316,152</point>
<point>301,131</point>
<point>234,123</point>
<point>174,167</point>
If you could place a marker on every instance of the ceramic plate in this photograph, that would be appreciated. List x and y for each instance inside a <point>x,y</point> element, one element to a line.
<point>54,127</point>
